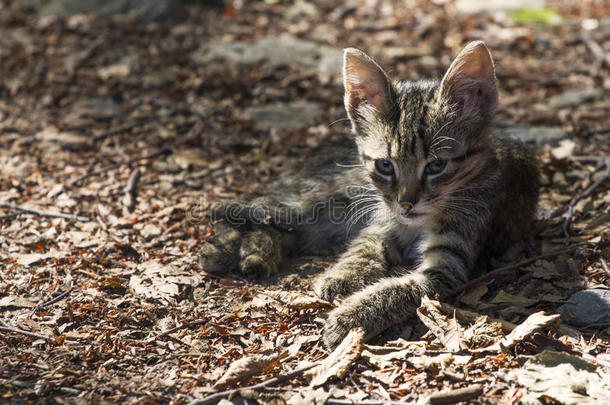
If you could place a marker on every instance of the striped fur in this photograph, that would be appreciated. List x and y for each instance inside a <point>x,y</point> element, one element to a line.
<point>436,226</point>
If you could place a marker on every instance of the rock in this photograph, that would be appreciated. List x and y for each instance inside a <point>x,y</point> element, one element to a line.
<point>586,308</point>
<point>539,135</point>
<point>144,10</point>
<point>573,98</point>
<point>293,115</point>
<point>492,6</point>
<point>275,50</point>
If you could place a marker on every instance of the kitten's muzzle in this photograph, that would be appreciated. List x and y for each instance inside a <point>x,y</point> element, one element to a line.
<point>406,206</point>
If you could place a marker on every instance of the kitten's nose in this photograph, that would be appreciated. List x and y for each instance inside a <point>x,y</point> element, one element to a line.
<point>406,206</point>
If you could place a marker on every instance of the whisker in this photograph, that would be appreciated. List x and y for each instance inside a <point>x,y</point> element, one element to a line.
<point>339,120</point>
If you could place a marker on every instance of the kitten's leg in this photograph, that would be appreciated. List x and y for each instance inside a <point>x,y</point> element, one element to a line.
<point>219,254</point>
<point>447,259</point>
<point>362,264</point>
<point>259,253</point>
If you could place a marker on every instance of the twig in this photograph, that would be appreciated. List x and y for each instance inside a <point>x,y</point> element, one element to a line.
<point>335,401</point>
<point>185,324</point>
<point>129,200</point>
<point>567,216</point>
<point>215,398</point>
<point>44,213</point>
<point>115,165</point>
<point>119,149</point>
<point>454,396</point>
<point>4,327</point>
<point>52,300</point>
<point>516,266</point>
<point>471,316</point>
<point>116,131</point>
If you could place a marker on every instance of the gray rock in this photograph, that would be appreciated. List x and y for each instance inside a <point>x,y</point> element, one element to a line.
<point>492,6</point>
<point>144,10</point>
<point>539,135</point>
<point>297,114</point>
<point>572,98</point>
<point>588,307</point>
<point>275,50</point>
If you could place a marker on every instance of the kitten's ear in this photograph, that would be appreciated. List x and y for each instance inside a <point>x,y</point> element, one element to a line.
<point>470,82</point>
<point>366,84</point>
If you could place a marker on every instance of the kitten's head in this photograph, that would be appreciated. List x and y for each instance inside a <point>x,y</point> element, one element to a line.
<point>421,141</point>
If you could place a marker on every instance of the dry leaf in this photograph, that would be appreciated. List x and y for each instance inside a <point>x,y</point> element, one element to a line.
<point>297,301</point>
<point>514,300</point>
<point>245,368</point>
<point>534,323</point>
<point>473,295</point>
<point>339,361</point>
<point>566,378</point>
<point>17,302</point>
<point>448,331</point>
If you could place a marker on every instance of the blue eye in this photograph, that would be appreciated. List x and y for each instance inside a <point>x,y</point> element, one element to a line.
<point>435,167</point>
<point>384,167</point>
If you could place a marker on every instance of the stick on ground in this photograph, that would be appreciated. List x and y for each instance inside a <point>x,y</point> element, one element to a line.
<point>454,396</point>
<point>7,328</point>
<point>45,213</point>
<point>215,398</point>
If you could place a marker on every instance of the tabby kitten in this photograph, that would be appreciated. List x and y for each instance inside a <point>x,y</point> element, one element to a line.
<point>424,197</point>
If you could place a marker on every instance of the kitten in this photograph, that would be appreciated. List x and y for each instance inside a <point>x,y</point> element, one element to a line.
<point>425,197</point>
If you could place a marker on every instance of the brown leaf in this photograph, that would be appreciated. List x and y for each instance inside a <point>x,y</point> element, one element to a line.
<point>245,368</point>
<point>297,301</point>
<point>339,361</point>
<point>534,323</point>
<point>448,331</point>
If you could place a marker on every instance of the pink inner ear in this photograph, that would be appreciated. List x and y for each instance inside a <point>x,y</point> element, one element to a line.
<point>365,82</point>
<point>368,92</point>
<point>470,81</point>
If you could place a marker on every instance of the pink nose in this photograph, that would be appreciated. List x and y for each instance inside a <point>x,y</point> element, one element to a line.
<point>407,206</point>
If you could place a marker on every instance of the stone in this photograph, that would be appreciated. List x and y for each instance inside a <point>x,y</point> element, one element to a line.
<point>145,11</point>
<point>275,50</point>
<point>538,134</point>
<point>573,98</point>
<point>588,307</point>
<point>287,116</point>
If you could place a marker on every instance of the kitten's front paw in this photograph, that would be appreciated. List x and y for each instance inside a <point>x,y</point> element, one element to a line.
<point>340,321</point>
<point>328,287</point>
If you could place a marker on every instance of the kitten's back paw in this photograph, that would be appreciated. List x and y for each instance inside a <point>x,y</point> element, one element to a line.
<point>219,254</point>
<point>255,266</point>
<point>329,288</point>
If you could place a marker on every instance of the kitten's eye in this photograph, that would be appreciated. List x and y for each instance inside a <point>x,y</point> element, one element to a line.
<point>384,167</point>
<point>435,167</point>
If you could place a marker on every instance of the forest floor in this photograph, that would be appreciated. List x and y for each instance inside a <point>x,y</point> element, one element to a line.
<point>115,138</point>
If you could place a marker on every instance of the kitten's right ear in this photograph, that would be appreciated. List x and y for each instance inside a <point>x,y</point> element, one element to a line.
<point>366,85</point>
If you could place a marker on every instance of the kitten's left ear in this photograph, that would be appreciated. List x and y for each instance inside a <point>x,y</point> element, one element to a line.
<point>366,84</point>
<point>470,82</point>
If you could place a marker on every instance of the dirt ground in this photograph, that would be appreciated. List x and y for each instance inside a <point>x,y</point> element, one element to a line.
<point>115,137</point>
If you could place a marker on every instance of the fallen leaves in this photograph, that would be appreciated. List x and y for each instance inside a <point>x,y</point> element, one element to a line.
<point>533,324</point>
<point>447,330</point>
<point>565,378</point>
<point>242,370</point>
<point>338,363</point>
